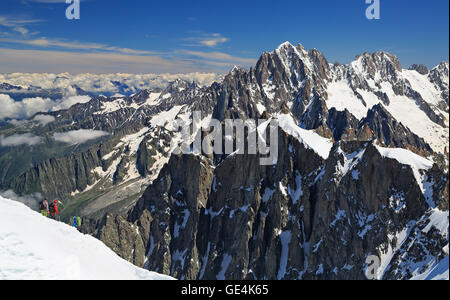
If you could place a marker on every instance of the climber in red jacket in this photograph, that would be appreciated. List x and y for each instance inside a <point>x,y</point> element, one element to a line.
<point>53,210</point>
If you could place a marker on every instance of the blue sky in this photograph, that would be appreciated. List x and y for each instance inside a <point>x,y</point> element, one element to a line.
<point>138,36</point>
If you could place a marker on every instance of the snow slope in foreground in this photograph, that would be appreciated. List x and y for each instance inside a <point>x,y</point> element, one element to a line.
<point>34,247</point>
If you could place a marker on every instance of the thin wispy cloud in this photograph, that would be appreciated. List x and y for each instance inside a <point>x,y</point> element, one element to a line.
<point>17,24</point>
<point>55,43</point>
<point>217,57</point>
<point>19,139</point>
<point>50,61</point>
<point>12,21</point>
<point>53,61</point>
<point>44,119</point>
<point>21,53</point>
<point>78,136</point>
<point>206,40</point>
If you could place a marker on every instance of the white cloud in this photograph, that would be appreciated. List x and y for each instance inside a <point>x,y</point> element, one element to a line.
<point>44,119</point>
<point>69,101</point>
<point>21,30</point>
<point>102,83</point>
<point>22,109</point>
<point>19,139</point>
<point>30,106</point>
<point>13,21</point>
<point>219,57</point>
<point>45,42</point>
<point>17,24</point>
<point>207,39</point>
<point>78,136</point>
<point>213,41</point>
<point>18,122</point>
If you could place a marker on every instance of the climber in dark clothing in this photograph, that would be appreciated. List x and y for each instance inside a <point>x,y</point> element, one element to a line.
<point>44,208</point>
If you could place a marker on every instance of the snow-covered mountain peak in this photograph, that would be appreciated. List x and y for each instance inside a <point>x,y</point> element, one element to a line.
<point>237,69</point>
<point>286,44</point>
<point>440,76</point>
<point>379,65</point>
<point>287,51</point>
<point>442,67</point>
<point>179,85</point>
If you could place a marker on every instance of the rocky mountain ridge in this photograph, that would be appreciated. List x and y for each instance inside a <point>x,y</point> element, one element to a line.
<point>362,170</point>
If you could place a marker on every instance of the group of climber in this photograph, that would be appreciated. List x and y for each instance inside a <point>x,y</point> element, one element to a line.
<point>51,210</point>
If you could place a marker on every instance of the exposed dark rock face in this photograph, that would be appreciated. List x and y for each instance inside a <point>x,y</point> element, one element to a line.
<point>305,218</point>
<point>8,87</point>
<point>422,246</point>
<point>384,128</point>
<point>421,69</point>
<point>60,176</point>
<point>355,211</point>
<point>377,125</point>
<point>343,124</point>
<point>439,76</point>
<point>175,205</point>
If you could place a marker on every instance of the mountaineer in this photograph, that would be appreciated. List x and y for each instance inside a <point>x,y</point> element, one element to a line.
<point>53,210</point>
<point>43,207</point>
<point>76,222</point>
